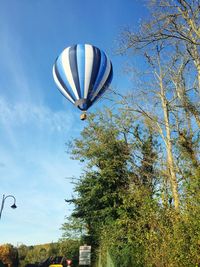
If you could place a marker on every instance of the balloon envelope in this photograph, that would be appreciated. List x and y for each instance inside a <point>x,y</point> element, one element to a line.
<point>82,73</point>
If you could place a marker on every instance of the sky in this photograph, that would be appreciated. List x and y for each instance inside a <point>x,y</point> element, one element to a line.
<point>36,121</point>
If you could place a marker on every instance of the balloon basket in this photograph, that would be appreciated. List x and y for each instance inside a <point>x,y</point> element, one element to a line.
<point>83,116</point>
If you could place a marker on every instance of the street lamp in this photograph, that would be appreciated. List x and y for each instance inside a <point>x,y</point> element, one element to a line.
<point>13,206</point>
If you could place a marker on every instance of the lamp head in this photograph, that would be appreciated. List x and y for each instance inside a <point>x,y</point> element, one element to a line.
<point>13,206</point>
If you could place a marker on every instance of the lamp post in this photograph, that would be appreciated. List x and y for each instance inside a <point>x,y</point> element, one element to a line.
<point>13,206</point>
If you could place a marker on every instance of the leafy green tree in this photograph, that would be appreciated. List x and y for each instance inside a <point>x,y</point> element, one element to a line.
<point>69,248</point>
<point>53,249</point>
<point>22,250</point>
<point>120,164</point>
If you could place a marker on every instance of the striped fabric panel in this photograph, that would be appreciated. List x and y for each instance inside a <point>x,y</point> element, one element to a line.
<point>68,72</point>
<point>61,77</point>
<point>106,69</point>
<point>81,66</point>
<point>105,86</point>
<point>100,74</point>
<point>74,68</point>
<point>95,70</point>
<point>61,88</point>
<point>89,58</point>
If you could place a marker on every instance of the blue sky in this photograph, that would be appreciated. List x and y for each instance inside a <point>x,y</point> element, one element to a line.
<point>35,119</point>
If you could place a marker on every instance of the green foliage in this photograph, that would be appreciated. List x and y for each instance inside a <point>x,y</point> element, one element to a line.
<point>70,249</point>
<point>32,254</point>
<point>119,206</point>
<point>39,253</point>
<point>73,229</point>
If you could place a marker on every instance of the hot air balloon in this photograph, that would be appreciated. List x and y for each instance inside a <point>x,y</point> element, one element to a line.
<point>82,73</point>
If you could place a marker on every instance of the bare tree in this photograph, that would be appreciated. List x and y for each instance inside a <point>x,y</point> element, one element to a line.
<point>173,21</point>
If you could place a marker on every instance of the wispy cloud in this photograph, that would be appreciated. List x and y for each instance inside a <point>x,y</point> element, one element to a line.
<point>26,113</point>
<point>20,118</point>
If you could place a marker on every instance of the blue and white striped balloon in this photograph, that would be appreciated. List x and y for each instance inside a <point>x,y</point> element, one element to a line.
<point>82,73</point>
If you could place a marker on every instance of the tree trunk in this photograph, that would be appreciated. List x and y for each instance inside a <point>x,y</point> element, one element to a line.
<point>197,64</point>
<point>170,159</point>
